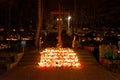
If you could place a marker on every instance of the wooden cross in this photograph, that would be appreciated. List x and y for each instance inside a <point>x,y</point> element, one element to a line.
<point>59,13</point>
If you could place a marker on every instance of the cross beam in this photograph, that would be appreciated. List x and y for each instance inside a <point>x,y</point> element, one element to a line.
<point>59,13</point>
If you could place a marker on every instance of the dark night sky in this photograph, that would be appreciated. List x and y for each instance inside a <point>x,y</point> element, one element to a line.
<point>105,10</point>
<point>24,10</point>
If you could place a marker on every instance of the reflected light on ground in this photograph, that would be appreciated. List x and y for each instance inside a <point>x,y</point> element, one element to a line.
<point>58,57</point>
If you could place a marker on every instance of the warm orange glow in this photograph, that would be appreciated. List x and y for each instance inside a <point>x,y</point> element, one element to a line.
<point>58,57</point>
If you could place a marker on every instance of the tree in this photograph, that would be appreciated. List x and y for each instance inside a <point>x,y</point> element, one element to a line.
<point>10,4</point>
<point>37,36</point>
<point>75,14</point>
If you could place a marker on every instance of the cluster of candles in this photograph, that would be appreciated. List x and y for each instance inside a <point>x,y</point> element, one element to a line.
<point>58,57</point>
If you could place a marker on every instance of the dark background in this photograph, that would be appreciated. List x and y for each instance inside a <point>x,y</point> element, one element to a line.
<point>101,12</point>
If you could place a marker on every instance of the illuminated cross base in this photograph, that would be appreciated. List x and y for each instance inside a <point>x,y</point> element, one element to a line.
<point>59,45</point>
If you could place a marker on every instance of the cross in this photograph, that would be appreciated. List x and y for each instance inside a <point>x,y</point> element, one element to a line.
<point>59,13</point>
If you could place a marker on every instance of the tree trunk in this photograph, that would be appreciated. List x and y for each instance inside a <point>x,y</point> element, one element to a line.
<point>75,15</point>
<point>37,36</point>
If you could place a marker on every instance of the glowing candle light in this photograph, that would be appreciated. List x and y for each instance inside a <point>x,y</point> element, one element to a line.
<point>58,57</point>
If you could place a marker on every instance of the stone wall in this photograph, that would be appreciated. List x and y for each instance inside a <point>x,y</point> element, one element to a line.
<point>9,60</point>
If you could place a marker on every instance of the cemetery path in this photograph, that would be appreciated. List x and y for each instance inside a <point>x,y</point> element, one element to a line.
<point>90,69</point>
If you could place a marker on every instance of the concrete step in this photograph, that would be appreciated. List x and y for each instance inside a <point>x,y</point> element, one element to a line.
<point>27,63</point>
<point>33,60</point>
<point>30,58</point>
<point>29,55</point>
<point>27,60</point>
<point>86,58</point>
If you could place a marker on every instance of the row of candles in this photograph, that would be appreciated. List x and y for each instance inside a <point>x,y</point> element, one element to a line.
<point>58,57</point>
